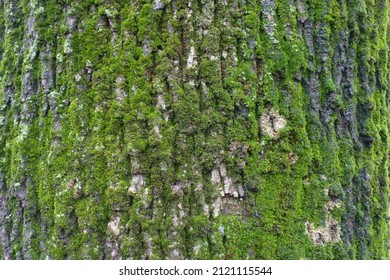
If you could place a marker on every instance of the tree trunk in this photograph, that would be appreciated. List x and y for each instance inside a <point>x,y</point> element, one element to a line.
<point>169,129</point>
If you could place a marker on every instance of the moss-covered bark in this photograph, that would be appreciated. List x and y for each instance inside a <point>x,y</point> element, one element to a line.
<point>167,129</point>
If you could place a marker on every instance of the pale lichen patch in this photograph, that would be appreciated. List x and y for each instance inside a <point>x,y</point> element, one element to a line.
<point>241,192</point>
<point>114,226</point>
<point>191,61</point>
<point>68,46</point>
<point>158,5</point>
<point>119,92</point>
<point>292,157</point>
<point>222,170</point>
<point>271,122</point>
<point>177,188</point>
<point>331,232</point>
<point>323,235</point>
<point>157,133</point>
<point>215,178</point>
<point>136,183</point>
<point>228,185</point>
<point>206,209</point>
<point>217,206</point>
<point>332,204</point>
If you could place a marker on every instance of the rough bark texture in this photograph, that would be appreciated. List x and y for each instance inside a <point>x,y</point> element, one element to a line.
<point>169,129</point>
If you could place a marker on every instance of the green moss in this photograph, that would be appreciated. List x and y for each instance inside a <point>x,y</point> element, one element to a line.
<point>322,66</point>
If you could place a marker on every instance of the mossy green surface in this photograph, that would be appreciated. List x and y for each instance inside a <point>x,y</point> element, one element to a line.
<point>114,116</point>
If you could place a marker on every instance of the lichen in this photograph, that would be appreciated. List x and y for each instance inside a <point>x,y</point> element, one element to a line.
<point>194,129</point>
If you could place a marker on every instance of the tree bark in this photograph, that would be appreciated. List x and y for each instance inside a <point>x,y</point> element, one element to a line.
<point>167,129</point>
